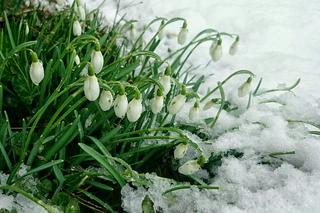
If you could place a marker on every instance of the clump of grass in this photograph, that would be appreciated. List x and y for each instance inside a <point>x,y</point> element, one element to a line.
<point>82,148</point>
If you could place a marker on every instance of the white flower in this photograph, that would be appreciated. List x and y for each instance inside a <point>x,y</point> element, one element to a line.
<point>134,110</point>
<point>210,104</point>
<point>244,89</point>
<point>194,113</point>
<point>216,53</point>
<point>234,47</point>
<point>81,13</point>
<point>76,60</point>
<point>156,104</point>
<point>176,104</point>
<point>36,72</point>
<point>165,81</point>
<point>97,60</point>
<point>213,47</point>
<point>180,151</point>
<point>106,100</point>
<point>121,106</point>
<point>91,88</point>
<point>189,167</point>
<point>182,36</point>
<point>76,28</point>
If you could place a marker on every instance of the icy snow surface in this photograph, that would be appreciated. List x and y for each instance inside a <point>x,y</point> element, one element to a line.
<point>279,42</point>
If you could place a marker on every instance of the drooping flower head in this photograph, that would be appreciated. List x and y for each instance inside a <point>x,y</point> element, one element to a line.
<point>36,71</point>
<point>165,81</point>
<point>91,85</point>
<point>121,103</point>
<point>177,102</point>
<point>182,36</point>
<point>135,108</point>
<point>97,58</point>
<point>194,112</point>
<point>210,103</point>
<point>157,102</point>
<point>106,100</point>
<point>189,168</point>
<point>244,89</point>
<point>76,27</point>
<point>234,46</point>
<point>216,50</point>
<point>180,150</point>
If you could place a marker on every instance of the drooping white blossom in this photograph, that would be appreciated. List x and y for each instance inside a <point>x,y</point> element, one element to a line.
<point>76,60</point>
<point>216,53</point>
<point>77,30</point>
<point>244,89</point>
<point>106,100</point>
<point>194,113</point>
<point>189,168</point>
<point>97,60</point>
<point>234,47</point>
<point>134,110</point>
<point>91,88</point>
<point>176,104</point>
<point>180,150</point>
<point>156,104</point>
<point>36,72</point>
<point>182,36</point>
<point>121,105</point>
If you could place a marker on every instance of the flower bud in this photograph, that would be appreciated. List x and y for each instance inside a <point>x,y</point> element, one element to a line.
<point>216,52</point>
<point>76,28</point>
<point>244,89</point>
<point>121,105</point>
<point>176,104</point>
<point>189,167</point>
<point>27,29</point>
<point>76,60</point>
<point>97,60</point>
<point>210,104</point>
<point>194,112</point>
<point>36,70</point>
<point>182,36</point>
<point>234,46</point>
<point>106,100</point>
<point>81,13</point>
<point>156,104</point>
<point>91,87</point>
<point>180,150</point>
<point>165,81</point>
<point>134,110</point>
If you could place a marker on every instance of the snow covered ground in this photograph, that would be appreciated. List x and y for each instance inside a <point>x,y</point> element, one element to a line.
<point>279,42</point>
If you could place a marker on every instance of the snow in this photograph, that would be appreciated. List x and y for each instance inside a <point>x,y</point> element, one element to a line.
<point>278,42</point>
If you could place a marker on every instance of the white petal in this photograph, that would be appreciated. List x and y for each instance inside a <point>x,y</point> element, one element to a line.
<point>97,60</point>
<point>121,106</point>
<point>165,81</point>
<point>106,100</point>
<point>180,151</point>
<point>81,13</point>
<point>182,36</point>
<point>234,48</point>
<point>91,88</point>
<point>176,104</point>
<point>217,53</point>
<point>156,104</point>
<point>134,110</point>
<point>189,167</point>
<point>76,28</point>
<point>194,113</point>
<point>76,60</point>
<point>36,72</point>
<point>244,89</point>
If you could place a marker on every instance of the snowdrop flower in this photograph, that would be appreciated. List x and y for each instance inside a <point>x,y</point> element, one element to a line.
<point>97,59</point>
<point>76,28</point>
<point>81,13</point>
<point>106,100</point>
<point>134,109</point>
<point>182,36</point>
<point>180,150</point>
<point>234,46</point>
<point>210,104</point>
<point>244,89</point>
<point>36,70</point>
<point>165,81</point>
<point>213,47</point>
<point>177,102</point>
<point>91,86</point>
<point>76,60</point>
<point>121,104</point>
<point>161,30</point>
<point>189,167</point>
<point>194,112</point>
<point>157,102</point>
<point>216,52</point>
